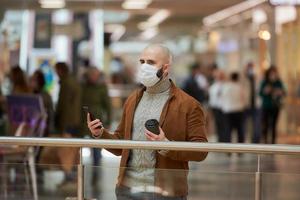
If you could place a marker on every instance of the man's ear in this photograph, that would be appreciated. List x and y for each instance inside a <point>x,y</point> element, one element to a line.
<point>166,69</point>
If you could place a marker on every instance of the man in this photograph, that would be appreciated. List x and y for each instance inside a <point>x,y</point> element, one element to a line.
<point>196,84</point>
<point>148,174</point>
<point>69,101</point>
<point>233,106</point>
<point>67,116</point>
<point>215,103</point>
<point>252,111</point>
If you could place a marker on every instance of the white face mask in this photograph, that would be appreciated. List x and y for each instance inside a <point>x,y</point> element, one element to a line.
<point>147,75</point>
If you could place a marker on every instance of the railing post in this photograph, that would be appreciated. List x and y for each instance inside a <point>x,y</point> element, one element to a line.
<point>258,180</point>
<point>80,177</point>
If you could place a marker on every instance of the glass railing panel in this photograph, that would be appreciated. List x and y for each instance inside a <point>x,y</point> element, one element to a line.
<point>17,182</point>
<point>280,177</point>
<point>202,185</point>
<point>220,176</point>
<point>280,164</point>
<point>280,186</point>
<point>14,181</point>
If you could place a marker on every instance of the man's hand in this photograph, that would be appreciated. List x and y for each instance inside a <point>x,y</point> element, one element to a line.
<point>153,137</point>
<point>94,126</point>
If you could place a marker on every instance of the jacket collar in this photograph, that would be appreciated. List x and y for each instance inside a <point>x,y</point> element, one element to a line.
<point>143,89</point>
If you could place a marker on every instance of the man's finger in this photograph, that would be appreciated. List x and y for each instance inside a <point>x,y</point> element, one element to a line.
<point>94,122</point>
<point>148,137</point>
<point>88,118</point>
<point>160,130</point>
<point>90,125</point>
<point>95,126</point>
<point>152,134</point>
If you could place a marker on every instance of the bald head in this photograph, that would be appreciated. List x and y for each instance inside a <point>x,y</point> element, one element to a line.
<point>163,53</point>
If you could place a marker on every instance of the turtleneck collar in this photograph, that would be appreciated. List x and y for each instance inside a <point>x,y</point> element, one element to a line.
<point>160,87</point>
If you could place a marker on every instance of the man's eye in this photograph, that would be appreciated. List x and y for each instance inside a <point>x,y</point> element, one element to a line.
<point>142,61</point>
<point>150,62</point>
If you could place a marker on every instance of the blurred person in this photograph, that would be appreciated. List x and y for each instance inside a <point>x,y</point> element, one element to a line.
<point>233,106</point>
<point>196,84</point>
<point>69,101</point>
<point>95,96</point>
<point>215,103</point>
<point>19,81</point>
<point>252,111</point>
<point>271,92</point>
<point>147,174</point>
<point>120,74</point>
<point>68,116</point>
<point>37,86</point>
<point>211,70</point>
<point>2,111</point>
<point>82,69</point>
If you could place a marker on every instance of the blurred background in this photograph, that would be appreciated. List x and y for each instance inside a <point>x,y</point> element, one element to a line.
<point>253,44</point>
<point>110,35</point>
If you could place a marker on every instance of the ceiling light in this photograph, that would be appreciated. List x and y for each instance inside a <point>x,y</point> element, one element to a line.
<point>158,17</point>
<point>233,10</point>
<point>284,2</point>
<point>149,33</point>
<point>264,35</point>
<point>117,31</point>
<point>143,25</point>
<point>136,4</point>
<point>155,19</point>
<point>52,3</point>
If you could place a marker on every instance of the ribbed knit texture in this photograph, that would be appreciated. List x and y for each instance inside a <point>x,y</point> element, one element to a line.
<point>141,164</point>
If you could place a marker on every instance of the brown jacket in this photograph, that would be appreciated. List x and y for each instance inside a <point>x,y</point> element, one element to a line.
<point>182,119</point>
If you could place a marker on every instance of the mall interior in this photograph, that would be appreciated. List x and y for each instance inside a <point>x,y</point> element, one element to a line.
<point>240,59</point>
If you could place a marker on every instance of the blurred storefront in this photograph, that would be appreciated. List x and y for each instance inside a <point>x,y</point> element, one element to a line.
<point>101,33</point>
<point>289,63</point>
<point>244,35</point>
<point>264,33</point>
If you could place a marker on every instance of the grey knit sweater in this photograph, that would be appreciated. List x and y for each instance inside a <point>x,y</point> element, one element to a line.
<point>141,164</point>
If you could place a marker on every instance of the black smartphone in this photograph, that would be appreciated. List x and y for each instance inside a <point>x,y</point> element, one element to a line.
<point>92,117</point>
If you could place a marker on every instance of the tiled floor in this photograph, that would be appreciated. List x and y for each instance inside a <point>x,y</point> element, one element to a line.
<point>219,177</point>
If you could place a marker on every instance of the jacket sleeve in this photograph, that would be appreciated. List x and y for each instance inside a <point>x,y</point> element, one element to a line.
<point>118,134</point>
<point>196,132</point>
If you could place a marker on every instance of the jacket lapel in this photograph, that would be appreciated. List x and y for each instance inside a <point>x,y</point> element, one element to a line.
<point>131,111</point>
<point>166,106</point>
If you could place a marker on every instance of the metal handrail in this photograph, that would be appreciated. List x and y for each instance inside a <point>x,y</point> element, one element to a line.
<point>179,146</point>
<point>129,144</point>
